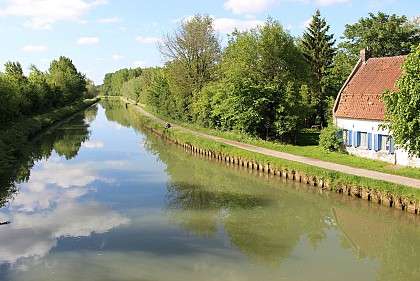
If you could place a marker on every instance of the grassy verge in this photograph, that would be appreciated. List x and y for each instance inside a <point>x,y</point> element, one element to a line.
<point>310,151</point>
<point>335,180</point>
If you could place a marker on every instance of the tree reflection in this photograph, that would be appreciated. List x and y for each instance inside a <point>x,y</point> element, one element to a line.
<point>267,224</point>
<point>65,138</point>
<point>263,223</point>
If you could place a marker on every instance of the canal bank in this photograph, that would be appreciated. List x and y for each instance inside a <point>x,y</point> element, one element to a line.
<point>390,190</point>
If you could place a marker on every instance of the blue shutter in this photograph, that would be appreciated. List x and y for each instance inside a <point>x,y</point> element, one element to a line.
<point>356,139</point>
<point>391,145</point>
<point>376,142</point>
<point>340,134</point>
<point>369,141</point>
<point>349,137</point>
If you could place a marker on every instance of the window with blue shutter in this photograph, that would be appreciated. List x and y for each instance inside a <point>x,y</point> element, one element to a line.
<point>356,139</point>
<point>369,144</point>
<point>350,138</point>
<point>376,142</point>
<point>391,145</point>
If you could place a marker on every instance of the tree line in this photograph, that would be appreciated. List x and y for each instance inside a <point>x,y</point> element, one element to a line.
<point>265,79</point>
<point>40,91</point>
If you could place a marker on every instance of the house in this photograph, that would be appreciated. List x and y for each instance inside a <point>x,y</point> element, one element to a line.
<point>359,111</point>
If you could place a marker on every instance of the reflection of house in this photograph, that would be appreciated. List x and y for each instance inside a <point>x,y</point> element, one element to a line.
<point>359,111</point>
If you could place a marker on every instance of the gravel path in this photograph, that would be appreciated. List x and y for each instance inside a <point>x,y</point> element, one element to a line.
<point>319,163</point>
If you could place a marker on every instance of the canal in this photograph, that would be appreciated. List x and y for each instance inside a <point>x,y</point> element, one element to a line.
<point>96,197</point>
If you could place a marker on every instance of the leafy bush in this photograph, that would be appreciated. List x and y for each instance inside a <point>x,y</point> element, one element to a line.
<point>331,138</point>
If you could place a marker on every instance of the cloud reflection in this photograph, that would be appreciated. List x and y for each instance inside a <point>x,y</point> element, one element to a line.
<point>47,209</point>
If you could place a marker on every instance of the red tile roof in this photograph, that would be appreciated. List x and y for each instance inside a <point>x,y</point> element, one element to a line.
<point>360,98</point>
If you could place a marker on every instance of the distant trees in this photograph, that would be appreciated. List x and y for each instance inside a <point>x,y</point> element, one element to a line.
<point>318,49</point>
<point>403,106</point>
<point>41,91</point>
<point>384,35</point>
<point>113,81</point>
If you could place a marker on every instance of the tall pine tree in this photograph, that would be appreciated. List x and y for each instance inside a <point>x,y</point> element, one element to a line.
<point>318,48</point>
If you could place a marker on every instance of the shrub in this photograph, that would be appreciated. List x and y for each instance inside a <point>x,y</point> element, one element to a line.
<point>331,138</point>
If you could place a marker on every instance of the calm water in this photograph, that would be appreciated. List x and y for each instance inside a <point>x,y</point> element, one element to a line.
<point>104,200</point>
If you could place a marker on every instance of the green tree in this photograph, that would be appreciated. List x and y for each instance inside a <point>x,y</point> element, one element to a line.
<point>44,95</point>
<point>70,83</point>
<point>318,48</point>
<point>384,35</point>
<point>262,70</point>
<point>403,106</point>
<point>192,52</point>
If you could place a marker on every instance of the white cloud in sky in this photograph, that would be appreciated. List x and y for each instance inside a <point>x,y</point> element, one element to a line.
<point>117,57</point>
<point>110,20</point>
<point>305,24</point>
<point>147,40</point>
<point>249,7</point>
<point>226,25</point>
<point>43,14</point>
<point>34,48</point>
<point>330,2</point>
<point>87,41</point>
<point>140,63</point>
<point>93,144</point>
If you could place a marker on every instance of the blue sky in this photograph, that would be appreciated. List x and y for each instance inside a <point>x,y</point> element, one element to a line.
<point>103,36</point>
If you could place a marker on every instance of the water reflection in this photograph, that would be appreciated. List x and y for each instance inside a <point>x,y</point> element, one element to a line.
<point>269,226</point>
<point>65,138</point>
<point>49,206</point>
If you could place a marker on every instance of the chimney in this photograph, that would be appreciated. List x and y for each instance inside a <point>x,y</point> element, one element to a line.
<point>365,54</point>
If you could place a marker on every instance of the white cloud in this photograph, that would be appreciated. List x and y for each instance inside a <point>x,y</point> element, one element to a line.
<point>330,2</point>
<point>305,24</point>
<point>43,14</point>
<point>117,57</point>
<point>249,7</point>
<point>93,144</point>
<point>87,41</point>
<point>225,25</point>
<point>140,63</point>
<point>147,40</point>
<point>110,20</point>
<point>34,48</point>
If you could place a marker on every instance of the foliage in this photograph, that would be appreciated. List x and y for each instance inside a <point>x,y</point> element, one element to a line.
<point>330,138</point>
<point>40,91</point>
<point>403,106</point>
<point>70,83</point>
<point>318,49</point>
<point>384,35</point>
<point>192,52</point>
<point>194,49</point>
<point>113,82</point>
<point>262,70</point>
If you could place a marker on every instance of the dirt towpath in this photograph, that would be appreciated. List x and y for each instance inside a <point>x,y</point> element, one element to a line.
<point>322,164</point>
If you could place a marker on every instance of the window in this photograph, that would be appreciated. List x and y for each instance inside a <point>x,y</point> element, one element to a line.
<point>363,139</point>
<point>346,137</point>
<point>384,143</point>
